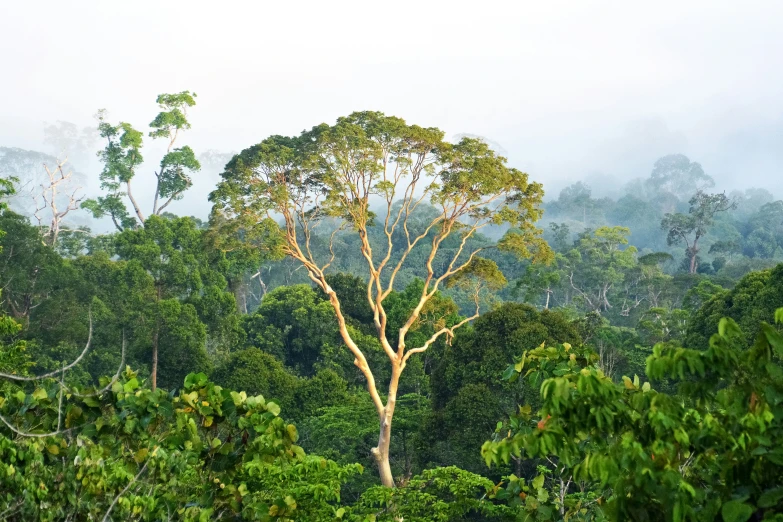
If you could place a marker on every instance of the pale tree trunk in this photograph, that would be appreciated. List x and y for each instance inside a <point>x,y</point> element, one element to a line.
<point>381,451</point>
<point>385,412</point>
<point>136,207</point>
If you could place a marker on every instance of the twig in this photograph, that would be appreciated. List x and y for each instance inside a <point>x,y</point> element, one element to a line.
<point>125,489</point>
<point>10,511</point>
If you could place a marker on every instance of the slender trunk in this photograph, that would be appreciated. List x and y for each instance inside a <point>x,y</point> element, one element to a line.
<point>548,293</point>
<point>154,375</point>
<point>693,252</point>
<point>381,451</point>
<point>563,491</point>
<point>385,412</point>
<point>155,201</point>
<point>136,207</point>
<point>155,340</point>
<point>54,230</point>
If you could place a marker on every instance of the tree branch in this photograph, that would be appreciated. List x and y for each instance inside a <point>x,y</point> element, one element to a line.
<point>124,490</point>
<point>60,371</point>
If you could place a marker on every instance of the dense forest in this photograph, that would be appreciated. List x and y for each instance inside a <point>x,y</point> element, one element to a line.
<point>378,324</point>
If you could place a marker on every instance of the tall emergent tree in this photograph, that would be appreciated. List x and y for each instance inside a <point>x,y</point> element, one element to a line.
<point>691,227</point>
<point>122,157</point>
<point>331,176</point>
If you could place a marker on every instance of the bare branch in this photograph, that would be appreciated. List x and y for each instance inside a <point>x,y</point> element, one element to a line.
<point>449,332</point>
<point>35,435</point>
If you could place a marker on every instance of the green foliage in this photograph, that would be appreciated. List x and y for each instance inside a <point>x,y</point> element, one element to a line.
<point>467,397</point>
<point>347,430</point>
<point>324,389</point>
<point>600,273</point>
<point>698,295</point>
<point>754,298</point>
<point>257,372</point>
<point>206,453</point>
<point>441,494</point>
<point>655,456</point>
<point>14,358</point>
<point>31,271</point>
<point>6,189</point>
<point>189,299</point>
<point>172,117</point>
<point>294,323</point>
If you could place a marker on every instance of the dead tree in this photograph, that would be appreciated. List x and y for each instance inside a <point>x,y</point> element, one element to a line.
<point>47,198</point>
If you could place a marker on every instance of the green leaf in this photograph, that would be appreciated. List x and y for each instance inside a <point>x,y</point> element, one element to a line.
<point>131,385</point>
<point>774,338</point>
<point>521,364</point>
<point>273,408</point>
<point>40,394</point>
<point>771,497</point>
<point>195,379</point>
<point>538,482</point>
<point>54,449</point>
<point>677,513</point>
<point>736,511</point>
<point>141,455</point>
<point>91,402</point>
<point>292,433</point>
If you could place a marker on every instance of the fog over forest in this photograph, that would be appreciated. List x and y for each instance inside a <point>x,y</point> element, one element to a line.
<point>595,92</point>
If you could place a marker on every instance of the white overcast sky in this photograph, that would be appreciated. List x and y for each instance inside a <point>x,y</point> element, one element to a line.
<point>568,88</point>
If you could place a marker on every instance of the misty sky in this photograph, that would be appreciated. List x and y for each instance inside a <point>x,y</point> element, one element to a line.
<point>569,89</point>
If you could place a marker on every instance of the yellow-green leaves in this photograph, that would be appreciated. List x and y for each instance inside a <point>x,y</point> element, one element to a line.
<point>273,408</point>
<point>140,455</point>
